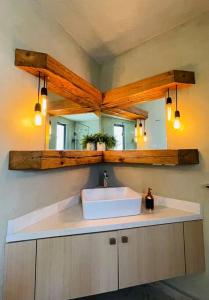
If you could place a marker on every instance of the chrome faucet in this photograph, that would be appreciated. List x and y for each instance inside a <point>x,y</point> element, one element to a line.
<point>105,179</point>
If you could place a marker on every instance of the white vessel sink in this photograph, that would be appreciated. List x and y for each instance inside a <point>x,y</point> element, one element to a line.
<point>110,202</point>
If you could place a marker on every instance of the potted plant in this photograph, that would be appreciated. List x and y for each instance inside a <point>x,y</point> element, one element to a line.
<point>104,141</point>
<point>111,142</point>
<point>88,142</point>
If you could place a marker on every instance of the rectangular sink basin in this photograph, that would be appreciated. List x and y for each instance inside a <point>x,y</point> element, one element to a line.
<point>102,203</point>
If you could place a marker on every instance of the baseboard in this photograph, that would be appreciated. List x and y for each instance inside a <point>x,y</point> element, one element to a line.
<point>174,293</point>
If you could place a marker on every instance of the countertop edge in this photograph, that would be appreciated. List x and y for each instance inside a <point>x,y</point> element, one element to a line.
<point>18,237</point>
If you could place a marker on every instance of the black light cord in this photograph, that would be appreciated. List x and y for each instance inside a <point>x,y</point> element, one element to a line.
<point>176,97</point>
<point>39,84</point>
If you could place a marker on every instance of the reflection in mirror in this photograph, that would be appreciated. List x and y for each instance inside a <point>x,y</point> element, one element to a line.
<point>155,124</point>
<point>68,129</point>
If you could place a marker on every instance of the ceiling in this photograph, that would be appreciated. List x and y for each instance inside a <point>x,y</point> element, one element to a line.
<point>107,28</point>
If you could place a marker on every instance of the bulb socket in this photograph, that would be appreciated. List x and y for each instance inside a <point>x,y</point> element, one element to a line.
<point>177,114</point>
<point>169,100</point>
<point>37,107</point>
<point>140,124</point>
<point>44,91</point>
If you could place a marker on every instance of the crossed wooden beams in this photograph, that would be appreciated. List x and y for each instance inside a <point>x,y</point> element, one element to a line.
<point>79,96</point>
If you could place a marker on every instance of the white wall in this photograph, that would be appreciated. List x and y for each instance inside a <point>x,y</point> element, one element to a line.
<point>23,26</point>
<point>186,48</point>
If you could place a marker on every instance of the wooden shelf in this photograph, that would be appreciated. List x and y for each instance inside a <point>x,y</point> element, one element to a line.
<point>50,159</point>
<point>153,157</point>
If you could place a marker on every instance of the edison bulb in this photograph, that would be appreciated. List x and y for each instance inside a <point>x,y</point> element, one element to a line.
<point>38,118</point>
<point>145,137</point>
<point>44,104</point>
<point>140,129</point>
<point>169,111</point>
<point>177,121</point>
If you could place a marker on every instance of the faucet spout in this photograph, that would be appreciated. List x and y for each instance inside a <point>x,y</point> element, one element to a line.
<point>105,179</point>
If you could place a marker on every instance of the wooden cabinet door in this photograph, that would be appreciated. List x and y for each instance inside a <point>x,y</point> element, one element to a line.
<point>76,266</point>
<point>148,254</point>
<point>20,271</point>
<point>194,247</point>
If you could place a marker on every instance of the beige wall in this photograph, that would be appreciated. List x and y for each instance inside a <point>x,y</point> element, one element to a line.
<point>184,48</point>
<point>23,26</point>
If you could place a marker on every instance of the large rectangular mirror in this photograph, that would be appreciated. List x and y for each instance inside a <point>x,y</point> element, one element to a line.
<point>77,128</point>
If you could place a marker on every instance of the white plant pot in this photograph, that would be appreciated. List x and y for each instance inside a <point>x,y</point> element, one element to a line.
<point>90,146</point>
<point>101,146</point>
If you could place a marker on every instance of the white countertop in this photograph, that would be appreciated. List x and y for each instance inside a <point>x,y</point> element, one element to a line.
<point>66,218</point>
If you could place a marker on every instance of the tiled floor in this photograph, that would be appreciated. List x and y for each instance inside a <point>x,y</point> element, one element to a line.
<point>145,292</point>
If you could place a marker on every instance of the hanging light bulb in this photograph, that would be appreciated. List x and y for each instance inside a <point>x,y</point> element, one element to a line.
<point>177,121</point>
<point>135,134</point>
<point>50,128</point>
<point>169,107</point>
<point>145,134</point>
<point>38,116</point>
<point>140,128</point>
<point>44,94</point>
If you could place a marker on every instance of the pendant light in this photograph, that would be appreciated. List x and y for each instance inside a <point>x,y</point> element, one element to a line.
<point>145,134</point>
<point>38,117</point>
<point>136,132</point>
<point>140,128</point>
<point>44,94</point>
<point>169,107</point>
<point>177,121</point>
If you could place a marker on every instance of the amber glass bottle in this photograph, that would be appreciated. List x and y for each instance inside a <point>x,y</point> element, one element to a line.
<point>149,200</point>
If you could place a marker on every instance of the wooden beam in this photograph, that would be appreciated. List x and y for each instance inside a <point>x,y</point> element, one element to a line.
<point>64,106</point>
<point>126,113</point>
<point>61,80</point>
<point>138,111</point>
<point>150,157</point>
<point>51,159</point>
<point>147,89</point>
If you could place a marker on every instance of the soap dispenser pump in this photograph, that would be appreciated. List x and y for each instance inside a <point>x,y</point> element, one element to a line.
<point>149,200</point>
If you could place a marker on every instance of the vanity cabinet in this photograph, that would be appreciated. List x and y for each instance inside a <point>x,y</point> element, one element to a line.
<point>76,266</point>
<point>70,267</point>
<point>20,271</point>
<point>150,254</point>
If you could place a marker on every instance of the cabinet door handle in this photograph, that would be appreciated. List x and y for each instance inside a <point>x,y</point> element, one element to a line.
<point>112,241</point>
<point>124,239</point>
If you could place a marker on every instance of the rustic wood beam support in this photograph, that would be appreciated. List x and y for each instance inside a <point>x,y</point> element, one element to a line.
<point>126,113</point>
<point>64,106</point>
<point>61,80</point>
<point>51,159</point>
<point>147,89</point>
<point>150,157</point>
